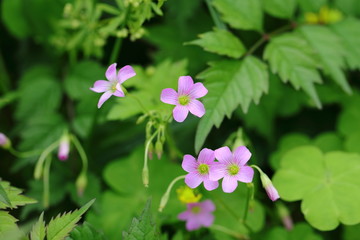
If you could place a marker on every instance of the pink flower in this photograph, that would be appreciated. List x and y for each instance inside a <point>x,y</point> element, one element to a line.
<point>232,167</point>
<point>64,148</point>
<point>269,187</point>
<point>198,214</point>
<point>198,171</point>
<point>4,141</point>
<point>113,85</point>
<point>185,99</point>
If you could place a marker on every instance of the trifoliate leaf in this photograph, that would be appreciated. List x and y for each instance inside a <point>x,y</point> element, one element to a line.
<point>330,51</point>
<point>244,14</point>
<point>280,8</point>
<point>61,226</point>
<point>142,227</point>
<point>14,196</point>
<point>38,230</point>
<point>327,184</point>
<point>301,231</point>
<point>290,56</point>
<point>349,33</point>
<point>85,232</point>
<point>230,84</point>
<point>222,42</point>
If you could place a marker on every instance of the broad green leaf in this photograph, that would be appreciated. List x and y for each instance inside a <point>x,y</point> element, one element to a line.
<point>13,17</point>
<point>330,51</point>
<point>85,232</point>
<point>244,14</point>
<point>61,226</point>
<point>327,184</point>
<point>3,196</point>
<point>280,8</point>
<point>290,56</point>
<point>142,227</point>
<point>301,231</point>
<point>349,33</point>
<point>352,142</point>
<point>8,228</point>
<point>349,7</point>
<point>311,5</point>
<point>15,197</point>
<point>38,230</point>
<point>230,84</point>
<point>348,122</point>
<point>222,42</point>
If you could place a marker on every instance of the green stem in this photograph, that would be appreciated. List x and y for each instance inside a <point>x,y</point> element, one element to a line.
<point>4,77</point>
<point>81,152</point>
<point>228,232</point>
<point>250,196</point>
<point>39,165</point>
<point>46,181</point>
<point>166,195</point>
<point>145,172</point>
<point>24,154</point>
<point>214,15</point>
<point>115,51</point>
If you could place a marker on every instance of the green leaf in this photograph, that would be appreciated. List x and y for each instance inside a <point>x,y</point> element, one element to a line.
<point>290,56</point>
<point>301,231</point>
<point>280,8</point>
<point>38,230</point>
<point>349,33</point>
<point>349,7</point>
<point>351,232</point>
<point>330,51</point>
<point>142,227</point>
<point>61,226</point>
<point>244,14</point>
<point>4,197</point>
<point>230,83</point>
<point>8,227</point>
<point>14,196</point>
<point>222,42</point>
<point>311,5</point>
<point>85,232</point>
<point>13,16</point>
<point>327,184</point>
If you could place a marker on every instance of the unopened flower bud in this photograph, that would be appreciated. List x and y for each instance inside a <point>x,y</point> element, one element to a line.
<point>4,141</point>
<point>269,187</point>
<point>64,147</point>
<point>141,119</point>
<point>81,183</point>
<point>163,201</point>
<point>151,151</point>
<point>285,216</point>
<point>158,149</point>
<point>145,176</point>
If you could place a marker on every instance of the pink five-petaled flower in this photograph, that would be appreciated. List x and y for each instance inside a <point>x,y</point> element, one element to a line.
<point>113,85</point>
<point>198,214</point>
<point>232,168</point>
<point>185,98</point>
<point>198,171</point>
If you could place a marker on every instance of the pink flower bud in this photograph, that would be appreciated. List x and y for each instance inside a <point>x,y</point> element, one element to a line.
<point>269,187</point>
<point>4,141</point>
<point>64,148</point>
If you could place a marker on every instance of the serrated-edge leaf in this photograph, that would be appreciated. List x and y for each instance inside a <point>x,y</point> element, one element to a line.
<point>38,230</point>
<point>280,8</point>
<point>230,84</point>
<point>62,225</point>
<point>15,197</point>
<point>4,197</point>
<point>220,41</point>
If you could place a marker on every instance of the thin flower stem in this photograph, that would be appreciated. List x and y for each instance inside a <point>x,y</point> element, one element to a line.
<point>24,154</point>
<point>250,196</point>
<point>115,51</point>
<point>39,165</point>
<point>166,195</point>
<point>145,171</point>
<point>81,152</point>
<point>215,16</point>
<point>229,232</point>
<point>46,181</point>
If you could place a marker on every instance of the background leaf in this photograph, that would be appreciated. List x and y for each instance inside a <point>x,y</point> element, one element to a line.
<point>280,8</point>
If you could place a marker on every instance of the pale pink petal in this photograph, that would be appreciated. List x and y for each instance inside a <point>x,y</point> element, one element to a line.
<point>272,192</point>
<point>64,149</point>
<point>189,163</point>
<point>169,95</point>
<point>180,113</point>
<point>196,107</point>
<point>242,155</point>
<point>192,224</point>
<point>206,219</point>
<point>229,184</point>
<point>217,171</point>
<point>206,156</point>
<point>111,73</point>
<point>185,85</point>
<point>210,185</point>
<point>224,155</point>
<point>193,180</point>
<point>101,86</point>
<point>184,215</point>
<point>208,206</point>
<point>104,97</point>
<point>245,174</point>
<point>198,91</point>
<point>119,93</point>
<point>125,73</point>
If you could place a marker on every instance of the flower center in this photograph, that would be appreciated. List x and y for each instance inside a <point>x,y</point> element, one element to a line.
<point>196,209</point>
<point>203,168</point>
<point>113,87</point>
<point>233,169</point>
<point>184,100</point>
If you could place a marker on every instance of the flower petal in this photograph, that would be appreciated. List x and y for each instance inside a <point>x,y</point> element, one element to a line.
<point>272,192</point>
<point>224,155</point>
<point>192,224</point>
<point>198,90</point>
<point>206,156</point>
<point>242,155</point>
<point>210,185</point>
<point>125,73</point>
<point>169,95</point>
<point>119,93</point>
<point>193,180</point>
<point>208,205</point>
<point>185,85</point>
<point>245,174</point>
<point>111,73</point>
<point>104,97</point>
<point>101,86</point>
<point>196,107</point>
<point>189,163</point>
<point>180,113</point>
<point>217,171</point>
<point>184,215</point>
<point>229,184</point>
<point>206,219</point>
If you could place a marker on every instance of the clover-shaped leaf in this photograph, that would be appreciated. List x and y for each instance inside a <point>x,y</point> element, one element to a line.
<point>328,185</point>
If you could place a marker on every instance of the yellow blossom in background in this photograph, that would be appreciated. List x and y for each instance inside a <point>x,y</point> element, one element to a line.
<point>187,195</point>
<point>326,15</point>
